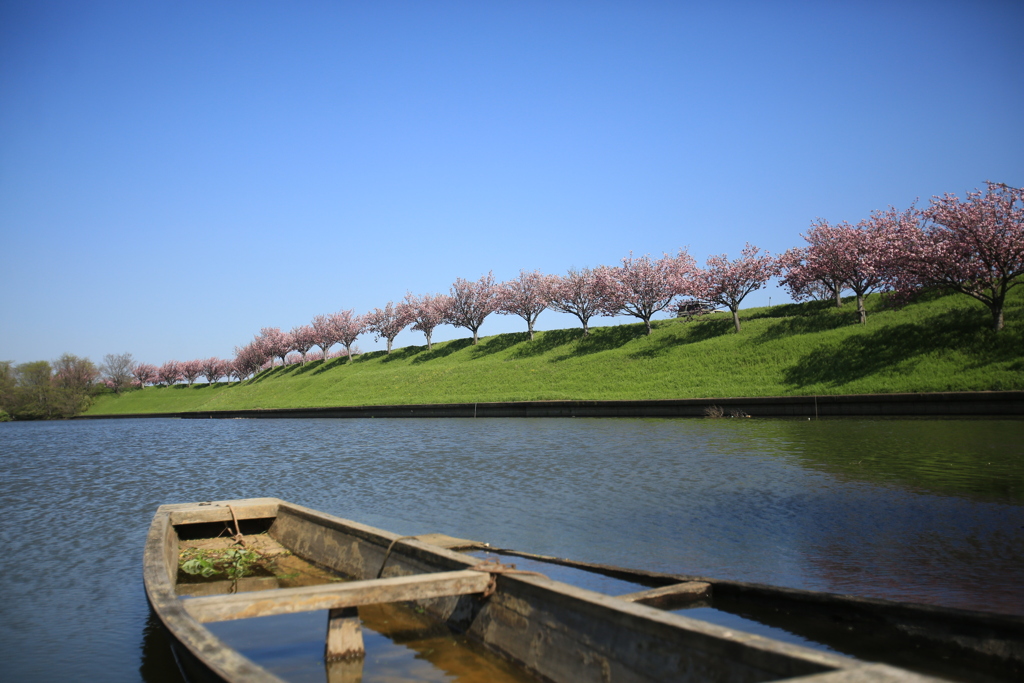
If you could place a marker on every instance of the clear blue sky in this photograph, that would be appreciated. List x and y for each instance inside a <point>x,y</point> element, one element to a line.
<point>175,175</point>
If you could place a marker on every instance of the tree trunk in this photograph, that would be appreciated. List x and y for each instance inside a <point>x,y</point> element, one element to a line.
<point>428,340</point>
<point>735,317</point>
<point>648,321</point>
<point>474,338</point>
<point>529,327</point>
<point>838,294</point>
<point>389,347</point>
<point>997,317</point>
<point>860,308</point>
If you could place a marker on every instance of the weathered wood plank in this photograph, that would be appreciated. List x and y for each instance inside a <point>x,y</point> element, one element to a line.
<point>217,511</point>
<point>336,595</point>
<point>871,673</point>
<point>671,597</point>
<point>344,635</point>
<point>451,543</point>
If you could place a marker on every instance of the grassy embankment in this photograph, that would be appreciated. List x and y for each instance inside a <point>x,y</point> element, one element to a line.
<point>941,344</point>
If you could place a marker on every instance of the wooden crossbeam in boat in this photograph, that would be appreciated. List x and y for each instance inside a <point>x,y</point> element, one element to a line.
<point>336,595</point>
<point>670,597</point>
<point>451,543</point>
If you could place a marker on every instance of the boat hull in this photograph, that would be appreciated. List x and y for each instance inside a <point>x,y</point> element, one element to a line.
<point>555,631</point>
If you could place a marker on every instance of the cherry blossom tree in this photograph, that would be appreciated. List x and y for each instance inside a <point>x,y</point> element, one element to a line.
<point>237,371</point>
<point>191,370</point>
<point>870,253</point>
<point>807,276</point>
<point>169,373</point>
<point>213,369</point>
<point>275,343</point>
<point>525,296</point>
<point>249,359</point>
<point>579,292</point>
<point>472,302</point>
<point>727,283</point>
<point>348,327</point>
<point>143,374</point>
<point>974,246</point>
<point>843,256</point>
<point>388,322</point>
<point>428,312</point>
<point>325,334</point>
<point>303,339</point>
<point>641,286</point>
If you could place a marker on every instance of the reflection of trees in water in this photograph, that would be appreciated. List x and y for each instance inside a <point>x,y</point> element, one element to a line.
<point>927,511</point>
<point>980,459</point>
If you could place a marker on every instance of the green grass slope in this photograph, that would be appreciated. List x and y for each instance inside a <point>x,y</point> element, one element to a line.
<point>939,344</point>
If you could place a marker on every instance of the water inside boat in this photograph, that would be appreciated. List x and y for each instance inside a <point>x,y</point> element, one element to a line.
<point>401,643</point>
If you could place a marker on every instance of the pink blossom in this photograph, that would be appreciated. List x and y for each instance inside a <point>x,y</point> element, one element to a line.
<point>641,287</point>
<point>169,373</point>
<point>325,334</point>
<point>144,374</point>
<point>428,312</point>
<point>525,296</point>
<point>727,283</point>
<point>844,256</point>
<point>275,343</point>
<point>248,360</point>
<point>348,326</point>
<point>214,368</point>
<point>579,292</point>
<point>388,322</point>
<point>973,246</point>
<point>805,279</point>
<point>191,370</point>
<point>471,303</point>
<point>303,339</point>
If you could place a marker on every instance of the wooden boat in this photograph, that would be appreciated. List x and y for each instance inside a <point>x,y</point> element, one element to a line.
<point>552,630</point>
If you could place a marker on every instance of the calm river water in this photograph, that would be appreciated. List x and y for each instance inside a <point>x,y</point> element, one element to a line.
<point>922,510</point>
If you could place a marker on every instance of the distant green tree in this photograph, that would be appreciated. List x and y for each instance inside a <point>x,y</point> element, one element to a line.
<point>8,385</point>
<point>34,394</point>
<point>40,390</point>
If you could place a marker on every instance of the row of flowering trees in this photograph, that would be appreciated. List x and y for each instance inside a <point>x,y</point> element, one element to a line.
<point>973,245</point>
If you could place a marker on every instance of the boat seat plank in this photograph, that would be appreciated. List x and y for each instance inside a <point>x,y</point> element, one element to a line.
<point>336,595</point>
<point>671,597</point>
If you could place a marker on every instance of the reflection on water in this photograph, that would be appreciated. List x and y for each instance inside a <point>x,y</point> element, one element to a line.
<point>902,509</point>
<point>979,459</point>
<point>157,665</point>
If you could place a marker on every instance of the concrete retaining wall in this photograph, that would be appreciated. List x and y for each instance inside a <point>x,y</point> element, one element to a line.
<point>952,404</point>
